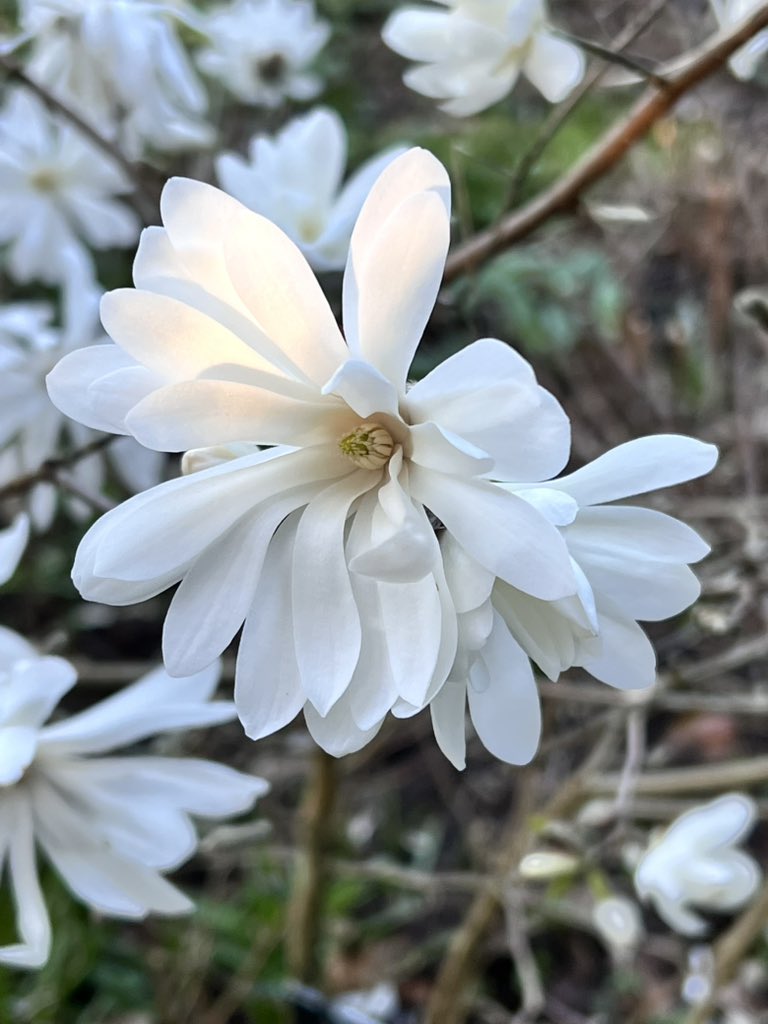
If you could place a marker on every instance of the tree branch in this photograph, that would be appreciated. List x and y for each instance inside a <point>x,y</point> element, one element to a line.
<point>48,472</point>
<point>654,103</point>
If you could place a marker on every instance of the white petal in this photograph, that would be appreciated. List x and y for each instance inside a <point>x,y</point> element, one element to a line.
<point>436,448</point>
<point>32,919</point>
<point>448,710</point>
<point>555,66</point>
<point>627,659</point>
<point>363,388</point>
<point>337,732</point>
<point>499,530</point>
<point>645,464</point>
<point>647,590</point>
<point>506,714</point>
<point>395,272</point>
<point>268,690</point>
<point>69,384</point>
<point>18,746</point>
<point>13,540</point>
<point>625,532</point>
<point>327,624</point>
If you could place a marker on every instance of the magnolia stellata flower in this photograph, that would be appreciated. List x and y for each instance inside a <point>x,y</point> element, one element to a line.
<point>120,65</point>
<point>110,826</point>
<point>32,429</point>
<point>695,864</point>
<point>260,49</point>
<point>13,540</point>
<point>629,563</point>
<point>324,544</point>
<point>473,53</point>
<point>729,13</point>
<point>294,179</point>
<point>57,197</point>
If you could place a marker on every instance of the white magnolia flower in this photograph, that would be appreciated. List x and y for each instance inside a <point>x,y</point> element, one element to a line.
<point>473,52</point>
<point>13,540</point>
<point>619,924</point>
<point>695,864</point>
<point>729,13</point>
<point>120,65</point>
<point>294,179</point>
<point>32,429</point>
<point>629,563</point>
<point>323,544</point>
<point>260,49</point>
<point>110,826</point>
<point>57,197</point>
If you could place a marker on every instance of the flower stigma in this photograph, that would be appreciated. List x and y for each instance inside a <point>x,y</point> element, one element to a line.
<point>369,446</point>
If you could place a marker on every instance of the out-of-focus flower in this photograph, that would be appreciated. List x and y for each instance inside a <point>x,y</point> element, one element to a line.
<point>695,864</point>
<point>110,826</point>
<point>323,544</point>
<point>58,196</point>
<point>32,429</point>
<point>729,13</point>
<point>121,67</point>
<point>294,179</point>
<point>13,540</point>
<point>629,563</point>
<point>543,865</point>
<point>473,53</point>
<point>261,49</point>
<point>619,924</point>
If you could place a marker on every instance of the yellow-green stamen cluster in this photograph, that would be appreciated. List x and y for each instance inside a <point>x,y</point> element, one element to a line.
<point>368,446</point>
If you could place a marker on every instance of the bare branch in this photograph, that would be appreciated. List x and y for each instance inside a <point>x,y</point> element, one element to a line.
<point>50,469</point>
<point>654,103</point>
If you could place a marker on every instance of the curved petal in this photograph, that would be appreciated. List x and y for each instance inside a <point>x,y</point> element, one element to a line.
<point>395,270</point>
<point>337,732</point>
<point>506,713</point>
<point>32,921</point>
<point>70,385</point>
<point>626,659</point>
<point>448,711</point>
<point>626,532</point>
<point>268,690</point>
<point>501,531</point>
<point>13,540</point>
<point>636,467</point>
<point>364,389</point>
<point>554,65</point>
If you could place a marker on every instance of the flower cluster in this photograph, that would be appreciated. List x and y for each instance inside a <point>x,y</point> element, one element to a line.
<point>472,54</point>
<point>384,545</point>
<point>110,826</point>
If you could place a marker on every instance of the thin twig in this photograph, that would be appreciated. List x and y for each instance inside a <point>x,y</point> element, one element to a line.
<point>654,103</point>
<point>143,201</point>
<point>48,472</point>
<point>703,778</point>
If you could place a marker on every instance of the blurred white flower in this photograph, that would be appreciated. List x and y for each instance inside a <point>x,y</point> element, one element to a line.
<point>323,544</point>
<point>58,196</point>
<point>729,13</point>
<point>110,826</point>
<point>629,563</point>
<point>260,49</point>
<point>294,179</point>
<point>619,923</point>
<point>13,540</point>
<point>367,1006</point>
<point>32,429</point>
<point>544,865</point>
<point>473,52</point>
<point>121,67</point>
<point>694,864</point>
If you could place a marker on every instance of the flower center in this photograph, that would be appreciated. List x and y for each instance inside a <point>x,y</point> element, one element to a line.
<point>45,179</point>
<point>272,69</point>
<point>369,445</point>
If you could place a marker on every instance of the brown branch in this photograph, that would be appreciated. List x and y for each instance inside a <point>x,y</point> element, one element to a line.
<point>654,103</point>
<point>48,472</point>
<point>143,200</point>
<point>304,914</point>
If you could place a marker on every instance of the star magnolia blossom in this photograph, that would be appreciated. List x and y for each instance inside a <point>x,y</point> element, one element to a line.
<point>110,826</point>
<point>473,53</point>
<point>630,563</point>
<point>33,430</point>
<point>260,49</point>
<point>729,13</point>
<point>294,179</point>
<point>120,65</point>
<point>694,864</point>
<point>57,198</point>
<point>323,544</point>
